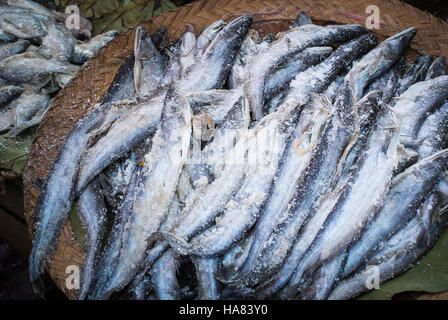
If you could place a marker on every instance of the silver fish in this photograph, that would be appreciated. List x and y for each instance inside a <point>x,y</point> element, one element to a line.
<point>412,106</point>
<point>28,104</point>
<point>156,188</point>
<point>225,135</point>
<point>218,57</point>
<point>438,68</point>
<point>208,286</point>
<point>63,78</point>
<point>402,250</point>
<point>6,119</point>
<point>10,49</point>
<point>180,48</point>
<point>317,78</point>
<point>92,212</point>
<point>323,280</point>
<point>206,36</point>
<point>231,129</point>
<point>33,6</point>
<point>122,87</point>
<point>388,82</point>
<point>188,52</point>
<point>415,73</point>
<point>243,209</point>
<point>290,43</point>
<point>148,67</point>
<point>9,93</point>
<point>249,49</point>
<point>296,249</point>
<point>433,132</point>
<point>233,260</point>
<point>31,67</point>
<point>206,205</point>
<point>34,121</point>
<point>332,90</point>
<point>368,108</point>
<point>123,135</point>
<point>407,192</point>
<point>163,277</point>
<point>302,19</point>
<point>282,76</point>
<point>22,23</point>
<point>215,103</point>
<point>83,51</point>
<point>311,123</point>
<point>132,128</point>
<point>115,178</point>
<point>111,252</point>
<point>341,130</point>
<point>6,37</point>
<point>53,207</point>
<point>58,43</point>
<point>375,170</point>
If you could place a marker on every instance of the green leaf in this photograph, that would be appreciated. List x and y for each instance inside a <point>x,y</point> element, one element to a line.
<point>429,275</point>
<point>14,152</point>
<point>148,11</point>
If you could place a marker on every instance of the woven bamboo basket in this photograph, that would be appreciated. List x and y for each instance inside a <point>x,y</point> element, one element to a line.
<point>94,78</point>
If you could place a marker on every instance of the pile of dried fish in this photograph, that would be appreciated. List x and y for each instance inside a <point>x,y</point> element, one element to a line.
<point>230,165</point>
<point>38,56</point>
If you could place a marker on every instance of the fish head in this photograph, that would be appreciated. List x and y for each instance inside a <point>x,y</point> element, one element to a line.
<point>144,48</point>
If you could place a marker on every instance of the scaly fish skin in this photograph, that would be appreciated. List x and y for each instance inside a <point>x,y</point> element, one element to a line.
<point>375,170</point>
<point>412,106</point>
<point>92,212</point>
<point>6,37</point>
<point>403,249</point>
<point>208,286</point>
<point>8,93</point>
<point>282,76</point>
<point>10,49</point>
<point>28,105</point>
<point>407,192</point>
<point>22,23</point>
<point>58,43</point>
<point>163,277</point>
<point>30,67</point>
<point>438,68</point>
<point>86,50</point>
<point>33,6</point>
<point>148,66</point>
<point>313,226</point>
<point>323,170</point>
<point>52,207</point>
<point>206,36</point>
